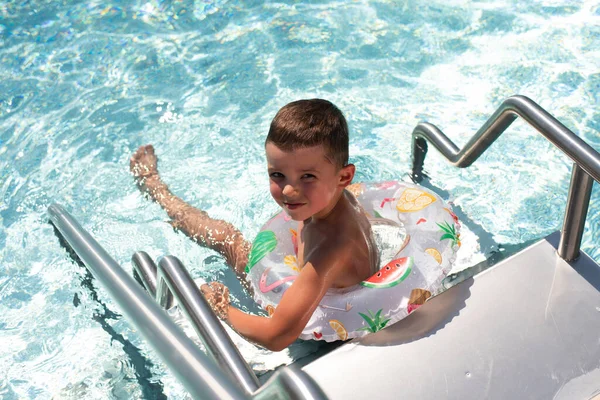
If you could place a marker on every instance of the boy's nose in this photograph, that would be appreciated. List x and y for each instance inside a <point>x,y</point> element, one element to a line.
<point>288,190</point>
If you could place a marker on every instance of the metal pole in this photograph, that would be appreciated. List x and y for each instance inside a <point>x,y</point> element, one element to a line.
<point>423,132</point>
<point>570,144</point>
<point>578,201</point>
<point>144,269</point>
<point>200,375</point>
<point>585,170</point>
<point>174,278</point>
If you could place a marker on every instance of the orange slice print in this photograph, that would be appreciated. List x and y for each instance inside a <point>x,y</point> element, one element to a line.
<point>413,200</point>
<point>292,262</point>
<point>339,329</point>
<point>270,310</point>
<point>294,240</point>
<point>356,189</point>
<point>435,254</point>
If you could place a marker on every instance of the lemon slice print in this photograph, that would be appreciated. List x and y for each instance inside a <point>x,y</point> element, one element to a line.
<point>435,254</point>
<point>413,200</point>
<point>339,329</point>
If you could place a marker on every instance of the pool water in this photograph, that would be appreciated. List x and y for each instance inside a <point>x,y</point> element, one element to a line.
<point>83,84</point>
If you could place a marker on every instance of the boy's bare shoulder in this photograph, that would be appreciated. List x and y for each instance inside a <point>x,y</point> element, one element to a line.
<point>322,241</point>
<point>339,240</point>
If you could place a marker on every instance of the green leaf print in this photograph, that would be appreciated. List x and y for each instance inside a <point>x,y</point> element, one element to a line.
<point>264,243</point>
<point>374,321</point>
<point>449,233</point>
<point>447,236</point>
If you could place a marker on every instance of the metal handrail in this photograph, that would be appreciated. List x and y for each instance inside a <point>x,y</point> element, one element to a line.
<point>171,281</point>
<point>198,373</point>
<point>144,271</point>
<point>586,167</point>
<point>174,278</point>
<point>195,370</point>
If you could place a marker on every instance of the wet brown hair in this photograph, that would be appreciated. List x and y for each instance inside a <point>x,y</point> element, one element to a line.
<point>307,123</point>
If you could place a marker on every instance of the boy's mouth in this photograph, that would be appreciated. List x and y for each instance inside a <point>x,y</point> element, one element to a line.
<point>293,206</point>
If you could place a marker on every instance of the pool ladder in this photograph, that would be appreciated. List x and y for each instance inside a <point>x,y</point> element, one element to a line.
<point>586,166</point>
<point>223,376</point>
<point>170,281</point>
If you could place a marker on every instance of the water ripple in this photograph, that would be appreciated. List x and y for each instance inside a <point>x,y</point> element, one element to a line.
<point>83,84</point>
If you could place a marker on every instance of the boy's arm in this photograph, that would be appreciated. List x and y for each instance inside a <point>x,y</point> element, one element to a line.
<point>215,234</point>
<point>294,310</point>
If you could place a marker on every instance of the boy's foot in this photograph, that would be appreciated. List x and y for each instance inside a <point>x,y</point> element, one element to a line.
<point>144,162</point>
<point>144,165</point>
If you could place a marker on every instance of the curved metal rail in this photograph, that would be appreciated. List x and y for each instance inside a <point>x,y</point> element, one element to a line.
<point>195,370</point>
<point>171,281</point>
<point>174,278</point>
<point>144,271</point>
<point>200,375</point>
<point>586,167</point>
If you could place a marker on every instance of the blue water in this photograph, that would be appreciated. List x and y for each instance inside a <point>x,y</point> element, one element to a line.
<point>83,84</point>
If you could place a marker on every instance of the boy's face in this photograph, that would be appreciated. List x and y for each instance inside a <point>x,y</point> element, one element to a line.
<point>304,182</point>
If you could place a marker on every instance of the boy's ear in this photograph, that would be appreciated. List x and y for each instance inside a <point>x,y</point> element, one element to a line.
<point>347,174</point>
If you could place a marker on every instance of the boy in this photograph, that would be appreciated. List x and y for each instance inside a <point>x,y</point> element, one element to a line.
<point>307,155</point>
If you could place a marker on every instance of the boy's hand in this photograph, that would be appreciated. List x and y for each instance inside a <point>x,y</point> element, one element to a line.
<point>217,296</point>
<point>144,163</point>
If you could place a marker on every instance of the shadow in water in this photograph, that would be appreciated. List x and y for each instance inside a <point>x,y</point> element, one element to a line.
<point>143,367</point>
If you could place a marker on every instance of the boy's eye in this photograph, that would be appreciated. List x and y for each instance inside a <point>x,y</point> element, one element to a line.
<point>276,175</point>
<point>308,176</point>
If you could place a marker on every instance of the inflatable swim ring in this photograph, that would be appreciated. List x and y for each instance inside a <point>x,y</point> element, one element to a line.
<point>417,236</point>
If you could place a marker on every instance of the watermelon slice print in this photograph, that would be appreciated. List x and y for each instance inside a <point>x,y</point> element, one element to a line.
<point>392,274</point>
<point>264,243</point>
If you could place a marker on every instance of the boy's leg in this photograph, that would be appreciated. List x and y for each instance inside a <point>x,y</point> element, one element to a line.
<point>218,235</point>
